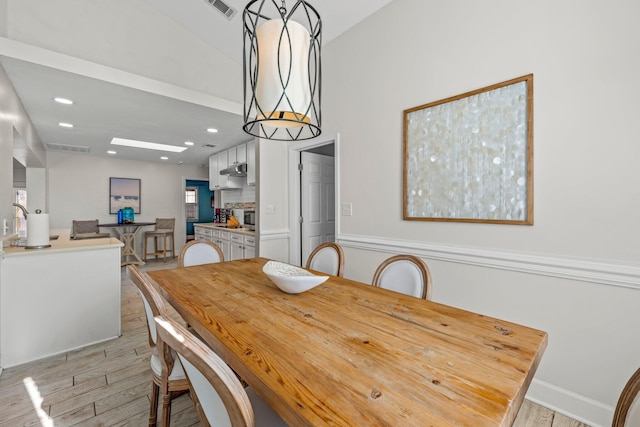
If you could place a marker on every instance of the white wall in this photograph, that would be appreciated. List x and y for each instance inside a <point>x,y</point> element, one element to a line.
<point>272,192</point>
<point>79,189</point>
<point>575,272</point>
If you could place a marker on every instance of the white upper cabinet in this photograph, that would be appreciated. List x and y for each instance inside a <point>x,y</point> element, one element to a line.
<point>218,162</point>
<point>231,156</point>
<point>241,153</point>
<point>214,173</point>
<point>237,154</point>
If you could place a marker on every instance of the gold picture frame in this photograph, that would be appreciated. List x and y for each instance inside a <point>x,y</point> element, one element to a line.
<point>469,158</point>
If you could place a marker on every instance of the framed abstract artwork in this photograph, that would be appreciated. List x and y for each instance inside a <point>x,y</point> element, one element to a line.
<point>124,193</point>
<point>469,158</point>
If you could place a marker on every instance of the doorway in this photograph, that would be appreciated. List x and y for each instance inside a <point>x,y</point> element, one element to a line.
<point>314,195</point>
<point>198,203</point>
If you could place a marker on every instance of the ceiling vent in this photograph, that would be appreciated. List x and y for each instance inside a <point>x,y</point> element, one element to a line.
<point>223,8</point>
<point>210,145</point>
<point>67,148</point>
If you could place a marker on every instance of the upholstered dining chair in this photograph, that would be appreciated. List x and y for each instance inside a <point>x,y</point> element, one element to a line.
<point>328,258</point>
<point>627,412</point>
<point>220,398</point>
<point>198,252</point>
<point>163,230</point>
<point>168,377</point>
<point>407,274</point>
<point>86,229</point>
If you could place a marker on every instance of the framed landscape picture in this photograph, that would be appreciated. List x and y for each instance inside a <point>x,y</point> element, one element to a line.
<point>469,158</point>
<point>124,193</point>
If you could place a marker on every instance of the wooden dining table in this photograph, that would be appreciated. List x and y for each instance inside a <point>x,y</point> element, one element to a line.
<point>347,353</point>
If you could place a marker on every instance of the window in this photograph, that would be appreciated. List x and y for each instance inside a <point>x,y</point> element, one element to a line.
<point>191,203</point>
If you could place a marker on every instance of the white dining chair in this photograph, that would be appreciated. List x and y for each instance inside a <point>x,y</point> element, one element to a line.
<point>407,274</point>
<point>220,398</point>
<point>327,258</point>
<point>168,377</point>
<point>198,252</point>
<point>627,412</point>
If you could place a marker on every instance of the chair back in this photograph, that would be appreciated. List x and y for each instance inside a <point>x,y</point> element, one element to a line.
<point>153,302</point>
<point>220,395</point>
<point>198,252</point>
<point>165,224</point>
<point>328,258</point>
<point>84,226</point>
<point>407,274</point>
<point>627,412</point>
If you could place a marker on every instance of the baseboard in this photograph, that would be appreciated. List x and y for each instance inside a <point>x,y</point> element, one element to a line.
<point>592,412</point>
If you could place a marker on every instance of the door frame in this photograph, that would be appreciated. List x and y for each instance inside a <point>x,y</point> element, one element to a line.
<point>183,215</point>
<point>294,190</point>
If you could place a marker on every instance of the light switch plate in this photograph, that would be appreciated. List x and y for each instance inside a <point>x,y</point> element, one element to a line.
<point>347,209</point>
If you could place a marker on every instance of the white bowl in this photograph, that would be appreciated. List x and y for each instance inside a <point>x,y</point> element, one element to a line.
<point>291,279</point>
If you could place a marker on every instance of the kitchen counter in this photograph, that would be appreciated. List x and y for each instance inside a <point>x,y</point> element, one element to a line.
<point>216,226</point>
<point>64,244</point>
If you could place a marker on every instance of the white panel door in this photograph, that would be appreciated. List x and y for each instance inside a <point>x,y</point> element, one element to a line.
<point>318,201</point>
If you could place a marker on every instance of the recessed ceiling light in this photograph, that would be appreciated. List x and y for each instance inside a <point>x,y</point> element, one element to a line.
<point>65,125</point>
<point>63,100</point>
<point>111,152</point>
<point>189,143</point>
<point>212,130</point>
<point>164,158</point>
<point>147,145</point>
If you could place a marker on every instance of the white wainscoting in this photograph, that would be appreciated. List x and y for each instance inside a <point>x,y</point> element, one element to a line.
<point>595,271</point>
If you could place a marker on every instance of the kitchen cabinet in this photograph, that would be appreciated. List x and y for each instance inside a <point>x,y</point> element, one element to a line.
<point>203,233</point>
<point>237,247</point>
<point>251,163</point>
<point>236,155</point>
<point>242,246</point>
<point>218,162</point>
<point>241,153</point>
<point>234,244</point>
<point>223,163</point>
<point>249,246</point>
<point>222,239</point>
<point>214,173</point>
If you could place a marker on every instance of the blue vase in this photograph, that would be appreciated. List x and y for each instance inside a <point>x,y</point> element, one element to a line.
<point>127,215</point>
<point>120,216</point>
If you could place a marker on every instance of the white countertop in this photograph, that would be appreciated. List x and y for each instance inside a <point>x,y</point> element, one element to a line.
<point>217,226</point>
<point>63,244</point>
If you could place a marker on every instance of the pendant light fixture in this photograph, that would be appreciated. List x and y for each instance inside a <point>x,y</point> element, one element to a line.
<point>281,70</point>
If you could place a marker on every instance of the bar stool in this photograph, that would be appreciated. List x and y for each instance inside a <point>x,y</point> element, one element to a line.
<point>163,229</point>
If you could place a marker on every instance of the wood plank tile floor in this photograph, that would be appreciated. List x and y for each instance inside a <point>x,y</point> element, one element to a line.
<point>109,384</point>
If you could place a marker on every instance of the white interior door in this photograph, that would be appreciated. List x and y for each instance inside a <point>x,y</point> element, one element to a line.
<point>317,187</point>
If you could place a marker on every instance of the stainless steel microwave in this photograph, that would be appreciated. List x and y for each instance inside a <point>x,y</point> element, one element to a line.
<point>250,219</point>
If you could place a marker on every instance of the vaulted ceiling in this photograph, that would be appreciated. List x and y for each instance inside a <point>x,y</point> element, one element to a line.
<point>104,110</point>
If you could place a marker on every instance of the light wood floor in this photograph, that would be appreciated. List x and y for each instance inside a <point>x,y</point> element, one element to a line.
<point>109,384</point>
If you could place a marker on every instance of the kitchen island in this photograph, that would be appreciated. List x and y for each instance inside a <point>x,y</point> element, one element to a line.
<point>57,299</point>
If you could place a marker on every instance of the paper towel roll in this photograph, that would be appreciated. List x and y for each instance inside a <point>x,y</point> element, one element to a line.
<point>37,230</point>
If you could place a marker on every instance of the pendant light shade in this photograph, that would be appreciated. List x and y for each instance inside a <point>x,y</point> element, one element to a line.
<point>281,70</point>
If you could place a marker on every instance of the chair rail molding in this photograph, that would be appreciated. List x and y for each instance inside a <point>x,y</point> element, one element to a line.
<point>613,273</point>
<point>275,235</point>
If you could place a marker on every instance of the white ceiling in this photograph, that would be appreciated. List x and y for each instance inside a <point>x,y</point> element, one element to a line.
<point>104,110</point>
